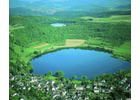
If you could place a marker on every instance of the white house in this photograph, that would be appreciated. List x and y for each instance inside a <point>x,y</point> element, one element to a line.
<point>88,86</point>
<point>95,87</point>
<point>78,87</point>
<point>33,79</point>
<point>64,92</point>
<point>20,98</point>
<point>15,94</point>
<point>29,88</point>
<point>96,90</point>
<point>103,81</point>
<point>56,87</point>
<point>12,78</point>
<point>51,81</point>
<point>73,96</point>
<point>39,85</point>
<point>111,88</point>
<point>55,95</point>
<point>24,87</point>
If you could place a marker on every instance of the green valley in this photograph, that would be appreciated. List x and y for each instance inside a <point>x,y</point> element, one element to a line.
<point>30,36</point>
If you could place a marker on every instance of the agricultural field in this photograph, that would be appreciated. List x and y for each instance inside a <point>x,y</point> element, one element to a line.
<point>113,18</point>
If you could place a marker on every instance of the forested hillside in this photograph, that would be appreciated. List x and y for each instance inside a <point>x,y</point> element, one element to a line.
<point>34,30</point>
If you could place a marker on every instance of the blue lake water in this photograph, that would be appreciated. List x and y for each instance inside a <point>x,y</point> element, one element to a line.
<point>78,62</point>
<point>58,24</point>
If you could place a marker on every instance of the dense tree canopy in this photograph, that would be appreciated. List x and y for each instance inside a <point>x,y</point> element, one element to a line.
<point>59,73</point>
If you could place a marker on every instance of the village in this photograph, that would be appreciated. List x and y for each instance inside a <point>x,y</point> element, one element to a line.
<point>65,90</point>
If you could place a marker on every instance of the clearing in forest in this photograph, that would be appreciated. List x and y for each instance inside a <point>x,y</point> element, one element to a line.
<point>71,43</point>
<point>74,42</point>
<point>46,44</point>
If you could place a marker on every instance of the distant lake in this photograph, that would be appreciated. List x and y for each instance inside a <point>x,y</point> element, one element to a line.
<point>78,62</point>
<point>58,25</point>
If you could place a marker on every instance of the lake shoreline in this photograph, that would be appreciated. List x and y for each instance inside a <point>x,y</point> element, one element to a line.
<point>78,60</point>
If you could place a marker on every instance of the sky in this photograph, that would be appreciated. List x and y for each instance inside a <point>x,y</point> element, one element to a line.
<point>20,3</point>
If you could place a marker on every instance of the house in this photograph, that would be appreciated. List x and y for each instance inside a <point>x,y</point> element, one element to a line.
<point>88,86</point>
<point>96,90</point>
<point>51,81</point>
<point>56,87</point>
<point>55,95</point>
<point>20,98</point>
<point>78,87</point>
<point>15,94</point>
<point>95,84</point>
<point>33,79</point>
<point>24,87</point>
<point>86,98</point>
<point>12,86</point>
<point>46,89</point>
<point>60,83</point>
<point>103,81</point>
<point>52,88</point>
<point>20,83</point>
<point>78,93</point>
<point>95,87</point>
<point>73,96</point>
<point>111,87</point>
<point>123,80</point>
<point>105,90</point>
<point>39,85</point>
<point>29,88</point>
<point>100,84</point>
<point>126,86</point>
<point>64,92</point>
<point>12,78</point>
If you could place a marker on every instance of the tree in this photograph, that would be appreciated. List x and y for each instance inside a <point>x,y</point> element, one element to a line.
<point>74,77</point>
<point>35,52</point>
<point>103,76</point>
<point>83,77</point>
<point>46,74</point>
<point>50,73</point>
<point>59,73</point>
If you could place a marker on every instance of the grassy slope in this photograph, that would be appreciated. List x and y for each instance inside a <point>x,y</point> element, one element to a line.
<point>124,48</point>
